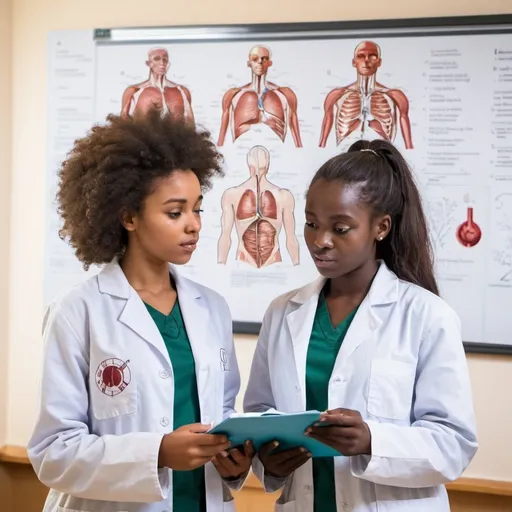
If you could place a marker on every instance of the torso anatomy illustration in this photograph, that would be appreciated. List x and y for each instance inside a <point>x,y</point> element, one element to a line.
<point>157,91</point>
<point>258,209</point>
<point>366,103</point>
<point>260,102</point>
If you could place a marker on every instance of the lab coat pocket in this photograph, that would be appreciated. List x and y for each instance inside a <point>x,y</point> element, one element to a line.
<point>114,390</point>
<point>390,389</point>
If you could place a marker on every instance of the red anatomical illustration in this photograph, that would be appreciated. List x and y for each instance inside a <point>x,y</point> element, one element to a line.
<point>469,233</point>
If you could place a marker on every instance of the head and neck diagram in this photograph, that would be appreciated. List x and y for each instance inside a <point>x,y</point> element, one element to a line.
<point>366,104</point>
<point>259,101</point>
<point>258,210</point>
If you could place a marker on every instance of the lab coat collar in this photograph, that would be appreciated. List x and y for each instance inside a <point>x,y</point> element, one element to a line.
<point>384,289</point>
<point>134,315</point>
<point>112,281</point>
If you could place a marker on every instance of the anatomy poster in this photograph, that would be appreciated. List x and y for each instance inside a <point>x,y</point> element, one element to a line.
<point>277,110</point>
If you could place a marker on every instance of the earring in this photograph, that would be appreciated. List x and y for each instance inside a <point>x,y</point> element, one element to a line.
<point>380,239</point>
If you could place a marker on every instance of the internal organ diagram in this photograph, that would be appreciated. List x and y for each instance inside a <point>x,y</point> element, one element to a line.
<point>259,102</point>
<point>366,103</point>
<point>258,209</point>
<point>469,233</point>
<point>157,91</point>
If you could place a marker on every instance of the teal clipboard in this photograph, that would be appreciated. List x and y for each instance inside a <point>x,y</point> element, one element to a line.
<point>287,429</point>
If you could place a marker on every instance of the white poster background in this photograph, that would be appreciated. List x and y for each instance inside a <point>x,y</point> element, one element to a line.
<point>460,108</point>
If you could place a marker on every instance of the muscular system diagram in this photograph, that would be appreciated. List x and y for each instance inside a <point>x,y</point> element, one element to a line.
<point>258,210</point>
<point>157,91</point>
<point>258,102</point>
<point>366,104</point>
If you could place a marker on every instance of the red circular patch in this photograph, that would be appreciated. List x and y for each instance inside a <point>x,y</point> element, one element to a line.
<point>113,376</point>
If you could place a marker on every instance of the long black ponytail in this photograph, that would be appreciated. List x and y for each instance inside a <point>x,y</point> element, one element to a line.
<point>387,185</point>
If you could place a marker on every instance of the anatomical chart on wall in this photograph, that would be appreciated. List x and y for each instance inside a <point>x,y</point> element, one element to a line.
<point>71,87</point>
<point>366,104</point>
<point>277,110</point>
<point>260,101</point>
<point>258,209</point>
<point>157,91</point>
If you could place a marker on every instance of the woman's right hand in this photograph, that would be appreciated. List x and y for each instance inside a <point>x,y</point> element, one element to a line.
<point>283,463</point>
<point>190,447</point>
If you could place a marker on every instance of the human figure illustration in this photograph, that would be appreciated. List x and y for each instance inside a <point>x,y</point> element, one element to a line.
<point>157,91</point>
<point>258,102</point>
<point>258,210</point>
<point>366,103</point>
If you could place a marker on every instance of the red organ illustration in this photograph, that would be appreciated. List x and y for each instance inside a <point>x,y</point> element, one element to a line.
<point>259,238</point>
<point>469,233</point>
<point>258,210</point>
<point>366,103</point>
<point>157,91</point>
<point>112,376</point>
<point>259,102</point>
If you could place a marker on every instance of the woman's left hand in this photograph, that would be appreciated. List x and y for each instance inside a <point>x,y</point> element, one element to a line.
<point>344,431</point>
<point>235,463</point>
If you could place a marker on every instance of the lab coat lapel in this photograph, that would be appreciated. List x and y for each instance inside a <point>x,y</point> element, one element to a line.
<point>371,313</point>
<point>361,329</point>
<point>300,324</point>
<point>197,319</point>
<point>134,314</point>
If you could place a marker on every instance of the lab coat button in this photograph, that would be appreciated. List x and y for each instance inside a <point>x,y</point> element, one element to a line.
<point>164,421</point>
<point>346,507</point>
<point>337,380</point>
<point>307,487</point>
<point>165,374</point>
<point>297,388</point>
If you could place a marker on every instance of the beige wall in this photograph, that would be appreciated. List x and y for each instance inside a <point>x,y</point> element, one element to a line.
<point>32,19</point>
<point>5,204</point>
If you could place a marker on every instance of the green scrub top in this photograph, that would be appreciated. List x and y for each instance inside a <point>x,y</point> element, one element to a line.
<point>189,494</point>
<point>323,348</point>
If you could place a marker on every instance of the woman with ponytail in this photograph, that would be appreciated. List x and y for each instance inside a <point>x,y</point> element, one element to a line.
<point>372,345</point>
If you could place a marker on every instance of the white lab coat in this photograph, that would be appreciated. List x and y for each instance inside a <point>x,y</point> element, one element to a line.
<point>402,366</point>
<point>97,452</point>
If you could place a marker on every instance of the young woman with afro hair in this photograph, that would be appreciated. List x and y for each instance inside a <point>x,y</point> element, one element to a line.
<point>138,360</point>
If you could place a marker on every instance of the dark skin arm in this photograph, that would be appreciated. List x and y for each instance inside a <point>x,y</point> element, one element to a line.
<point>235,463</point>
<point>190,447</point>
<point>346,432</point>
<point>283,463</point>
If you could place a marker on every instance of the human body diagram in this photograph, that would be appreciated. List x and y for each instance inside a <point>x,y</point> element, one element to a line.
<point>258,210</point>
<point>366,104</point>
<point>259,101</point>
<point>157,91</point>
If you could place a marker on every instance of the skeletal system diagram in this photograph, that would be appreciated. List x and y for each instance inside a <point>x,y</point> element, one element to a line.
<point>366,104</point>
